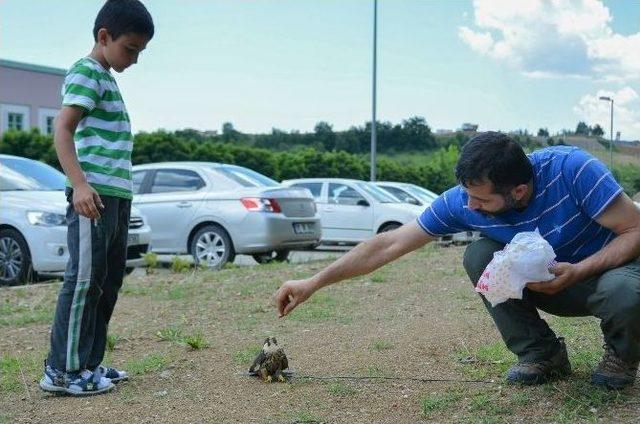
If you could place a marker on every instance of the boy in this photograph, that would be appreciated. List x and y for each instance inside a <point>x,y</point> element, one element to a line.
<point>93,141</point>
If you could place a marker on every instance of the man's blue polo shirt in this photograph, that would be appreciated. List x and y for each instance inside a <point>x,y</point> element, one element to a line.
<point>571,189</point>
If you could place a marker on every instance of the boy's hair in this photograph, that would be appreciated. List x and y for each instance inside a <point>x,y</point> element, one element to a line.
<point>122,17</point>
<point>494,157</point>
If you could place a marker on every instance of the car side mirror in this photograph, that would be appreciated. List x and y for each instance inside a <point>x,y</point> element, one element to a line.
<point>412,200</point>
<point>362,202</point>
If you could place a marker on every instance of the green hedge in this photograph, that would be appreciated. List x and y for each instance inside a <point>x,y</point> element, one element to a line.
<point>436,173</point>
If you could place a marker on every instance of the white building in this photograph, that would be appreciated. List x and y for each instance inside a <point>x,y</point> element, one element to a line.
<point>29,96</point>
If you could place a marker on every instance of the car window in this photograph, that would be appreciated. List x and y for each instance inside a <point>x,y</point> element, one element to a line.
<point>377,193</point>
<point>341,194</point>
<point>400,194</point>
<point>246,177</point>
<point>314,188</point>
<point>28,174</point>
<point>174,180</point>
<point>138,178</point>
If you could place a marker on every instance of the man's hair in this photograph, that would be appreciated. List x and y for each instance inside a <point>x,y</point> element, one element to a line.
<point>122,17</point>
<point>494,157</point>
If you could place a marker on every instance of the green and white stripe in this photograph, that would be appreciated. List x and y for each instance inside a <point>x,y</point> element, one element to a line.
<point>80,293</point>
<point>103,137</point>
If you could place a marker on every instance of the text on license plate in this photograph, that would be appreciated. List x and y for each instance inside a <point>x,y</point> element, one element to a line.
<point>303,228</point>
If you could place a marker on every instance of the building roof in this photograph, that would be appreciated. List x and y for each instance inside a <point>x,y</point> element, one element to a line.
<point>31,67</point>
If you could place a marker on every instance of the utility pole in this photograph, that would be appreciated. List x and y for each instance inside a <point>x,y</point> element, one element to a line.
<point>373,96</point>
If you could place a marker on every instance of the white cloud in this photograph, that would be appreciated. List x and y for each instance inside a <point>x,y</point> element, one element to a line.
<point>626,111</point>
<point>546,38</point>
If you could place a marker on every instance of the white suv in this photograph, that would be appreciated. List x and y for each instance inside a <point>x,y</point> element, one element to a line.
<point>353,210</point>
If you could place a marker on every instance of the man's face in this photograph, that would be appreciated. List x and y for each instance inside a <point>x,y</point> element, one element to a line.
<point>482,199</point>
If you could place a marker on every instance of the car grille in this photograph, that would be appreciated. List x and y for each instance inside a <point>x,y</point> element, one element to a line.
<point>135,222</point>
<point>134,252</point>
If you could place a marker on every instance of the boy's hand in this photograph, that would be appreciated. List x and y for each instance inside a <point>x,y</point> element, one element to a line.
<point>87,202</point>
<point>291,294</point>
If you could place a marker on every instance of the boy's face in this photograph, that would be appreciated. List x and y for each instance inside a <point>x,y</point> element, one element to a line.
<point>123,51</point>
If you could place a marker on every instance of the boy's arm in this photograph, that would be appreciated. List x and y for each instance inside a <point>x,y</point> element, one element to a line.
<point>362,259</point>
<point>86,200</point>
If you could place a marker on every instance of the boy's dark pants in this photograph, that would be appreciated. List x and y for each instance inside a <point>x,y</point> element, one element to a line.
<point>97,258</point>
<point>613,296</point>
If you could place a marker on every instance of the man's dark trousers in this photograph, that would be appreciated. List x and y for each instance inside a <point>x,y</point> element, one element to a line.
<point>94,274</point>
<point>613,296</point>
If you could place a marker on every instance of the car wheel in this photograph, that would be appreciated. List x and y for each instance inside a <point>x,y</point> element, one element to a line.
<point>274,256</point>
<point>211,247</point>
<point>15,261</point>
<point>389,227</point>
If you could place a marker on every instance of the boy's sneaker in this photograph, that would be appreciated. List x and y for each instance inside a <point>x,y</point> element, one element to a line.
<point>614,373</point>
<point>53,380</point>
<point>83,383</point>
<point>541,371</point>
<point>111,373</point>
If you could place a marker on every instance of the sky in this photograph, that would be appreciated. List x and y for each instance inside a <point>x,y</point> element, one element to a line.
<point>288,64</point>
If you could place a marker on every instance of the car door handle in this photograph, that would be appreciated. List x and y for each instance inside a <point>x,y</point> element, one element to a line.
<point>328,209</point>
<point>185,204</point>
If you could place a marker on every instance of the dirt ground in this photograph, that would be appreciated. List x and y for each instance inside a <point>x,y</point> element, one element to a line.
<point>186,337</point>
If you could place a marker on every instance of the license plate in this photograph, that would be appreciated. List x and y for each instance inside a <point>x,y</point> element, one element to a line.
<point>132,239</point>
<point>303,228</point>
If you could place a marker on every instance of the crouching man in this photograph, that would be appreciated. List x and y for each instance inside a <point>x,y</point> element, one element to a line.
<point>576,205</point>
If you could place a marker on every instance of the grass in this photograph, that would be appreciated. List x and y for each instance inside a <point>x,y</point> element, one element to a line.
<point>368,325</point>
<point>320,307</point>
<point>147,364</point>
<point>380,345</point>
<point>305,417</point>
<point>196,341</point>
<point>23,313</point>
<point>170,334</point>
<point>179,265</point>
<point>341,390</point>
<point>247,355</point>
<point>484,362</point>
<point>439,402</point>
<point>112,341</point>
<point>16,372</point>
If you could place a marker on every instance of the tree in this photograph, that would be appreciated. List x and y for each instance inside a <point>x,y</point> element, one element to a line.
<point>597,131</point>
<point>229,133</point>
<point>325,135</point>
<point>543,132</point>
<point>582,129</point>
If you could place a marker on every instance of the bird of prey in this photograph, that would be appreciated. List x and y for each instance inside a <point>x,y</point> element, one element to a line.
<point>270,362</point>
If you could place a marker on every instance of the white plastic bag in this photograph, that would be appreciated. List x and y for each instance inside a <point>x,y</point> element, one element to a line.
<point>526,259</point>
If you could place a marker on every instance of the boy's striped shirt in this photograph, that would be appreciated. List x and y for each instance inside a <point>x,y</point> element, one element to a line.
<point>103,137</point>
<point>571,189</point>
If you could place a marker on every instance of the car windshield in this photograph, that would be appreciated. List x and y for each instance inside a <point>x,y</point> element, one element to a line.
<point>246,177</point>
<point>378,193</point>
<point>26,174</point>
<point>422,193</point>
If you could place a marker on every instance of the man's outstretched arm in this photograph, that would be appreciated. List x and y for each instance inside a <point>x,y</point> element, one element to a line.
<point>362,259</point>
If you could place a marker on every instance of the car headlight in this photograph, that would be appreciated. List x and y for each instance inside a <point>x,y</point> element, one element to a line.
<point>46,219</point>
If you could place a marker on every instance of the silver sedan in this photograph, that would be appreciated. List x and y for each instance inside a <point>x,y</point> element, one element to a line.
<point>214,211</point>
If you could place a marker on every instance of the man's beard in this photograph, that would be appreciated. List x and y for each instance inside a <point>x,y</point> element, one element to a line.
<point>510,202</point>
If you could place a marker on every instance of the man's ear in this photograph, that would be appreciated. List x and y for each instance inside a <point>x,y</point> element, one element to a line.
<point>103,36</point>
<point>520,191</point>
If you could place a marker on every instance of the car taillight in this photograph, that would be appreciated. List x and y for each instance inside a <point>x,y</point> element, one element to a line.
<point>259,204</point>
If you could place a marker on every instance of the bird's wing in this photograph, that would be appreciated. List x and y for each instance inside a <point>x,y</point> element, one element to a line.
<point>258,361</point>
